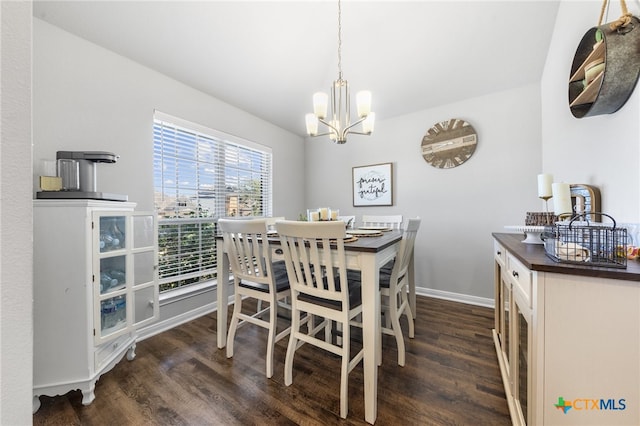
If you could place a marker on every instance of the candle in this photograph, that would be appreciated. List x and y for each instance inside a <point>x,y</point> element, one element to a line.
<point>324,213</point>
<point>561,198</point>
<point>544,185</point>
<point>315,216</point>
<point>334,214</point>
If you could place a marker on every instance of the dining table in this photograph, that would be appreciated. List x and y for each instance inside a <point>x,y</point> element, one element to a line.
<point>366,253</point>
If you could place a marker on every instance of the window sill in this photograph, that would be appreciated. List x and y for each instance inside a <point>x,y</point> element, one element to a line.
<point>192,290</point>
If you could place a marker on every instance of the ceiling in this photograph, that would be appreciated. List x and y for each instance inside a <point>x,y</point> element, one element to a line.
<point>269,57</point>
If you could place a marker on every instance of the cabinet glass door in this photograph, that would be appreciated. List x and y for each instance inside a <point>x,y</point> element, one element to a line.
<point>145,261</point>
<point>110,277</point>
<point>522,347</point>
<point>125,273</point>
<point>505,309</point>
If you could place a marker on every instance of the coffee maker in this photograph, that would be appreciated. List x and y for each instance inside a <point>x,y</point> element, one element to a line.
<point>77,173</point>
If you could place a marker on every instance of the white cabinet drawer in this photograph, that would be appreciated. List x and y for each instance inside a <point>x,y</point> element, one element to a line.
<point>105,353</point>
<point>499,253</point>
<point>520,276</point>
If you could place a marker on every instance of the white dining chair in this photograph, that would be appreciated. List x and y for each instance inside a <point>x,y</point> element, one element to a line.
<point>271,222</point>
<point>394,289</point>
<point>254,276</point>
<point>320,291</point>
<point>392,221</point>
<point>349,220</point>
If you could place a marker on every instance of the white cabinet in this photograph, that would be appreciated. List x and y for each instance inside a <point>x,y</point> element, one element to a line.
<point>567,338</point>
<point>95,283</point>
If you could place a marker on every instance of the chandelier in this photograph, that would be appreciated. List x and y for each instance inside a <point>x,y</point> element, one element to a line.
<point>339,122</point>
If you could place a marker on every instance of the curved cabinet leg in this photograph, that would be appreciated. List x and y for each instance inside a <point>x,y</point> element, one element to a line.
<point>88,394</point>
<point>35,404</point>
<point>131,352</point>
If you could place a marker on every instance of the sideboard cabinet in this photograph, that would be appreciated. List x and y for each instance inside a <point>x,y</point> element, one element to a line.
<point>567,338</point>
<point>95,283</point>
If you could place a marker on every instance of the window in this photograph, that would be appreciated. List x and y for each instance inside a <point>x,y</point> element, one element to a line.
<point>201,175</point>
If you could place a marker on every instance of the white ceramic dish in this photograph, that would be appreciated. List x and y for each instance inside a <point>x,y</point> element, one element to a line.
<point>363,232</point>
<point>375,228</point>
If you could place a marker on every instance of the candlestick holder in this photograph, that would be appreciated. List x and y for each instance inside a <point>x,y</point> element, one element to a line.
<point>546,202</point>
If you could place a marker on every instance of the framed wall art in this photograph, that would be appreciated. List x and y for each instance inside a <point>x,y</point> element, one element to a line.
<point>373,185</point>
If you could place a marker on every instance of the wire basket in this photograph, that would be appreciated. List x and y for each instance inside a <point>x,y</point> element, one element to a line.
<point>585,243</point>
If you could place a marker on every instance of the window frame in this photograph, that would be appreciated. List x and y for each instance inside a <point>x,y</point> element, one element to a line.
<point>236,164</point>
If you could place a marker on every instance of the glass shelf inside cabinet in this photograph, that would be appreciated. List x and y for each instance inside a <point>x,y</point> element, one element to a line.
<point>112,233</point>
<point>113,274</point>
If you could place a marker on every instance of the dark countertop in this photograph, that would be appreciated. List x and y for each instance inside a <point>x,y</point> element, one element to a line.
<point>533,257</point>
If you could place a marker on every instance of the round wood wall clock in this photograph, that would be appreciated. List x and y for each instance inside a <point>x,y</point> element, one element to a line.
<point>449,143</point>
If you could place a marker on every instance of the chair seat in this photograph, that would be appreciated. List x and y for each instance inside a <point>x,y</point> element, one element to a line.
<point>279,274</point>
<point>385,278</point>
<point>355,295</point>
<point>388,267</point>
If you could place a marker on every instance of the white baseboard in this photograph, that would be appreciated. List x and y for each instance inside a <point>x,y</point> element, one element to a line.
<point>160,326</point>
<point>177,296</point>
<point>456,297</point>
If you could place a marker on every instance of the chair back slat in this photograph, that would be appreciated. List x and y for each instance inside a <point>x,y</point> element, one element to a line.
<point>392,221</point>
<point>312,266</point>
<point>247,248</point>
<point>405,251</point>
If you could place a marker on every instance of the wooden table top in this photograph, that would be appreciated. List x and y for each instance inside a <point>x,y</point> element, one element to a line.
<point>371,244</point>
<point>534,257</point>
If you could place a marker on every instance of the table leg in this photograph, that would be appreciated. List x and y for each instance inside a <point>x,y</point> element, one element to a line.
<point>370,321</point>
<point>222,293</point>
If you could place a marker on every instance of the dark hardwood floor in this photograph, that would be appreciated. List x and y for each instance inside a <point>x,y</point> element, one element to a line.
<point>179,377</point>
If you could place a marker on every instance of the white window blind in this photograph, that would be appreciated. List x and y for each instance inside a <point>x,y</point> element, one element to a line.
<point>200,175</point>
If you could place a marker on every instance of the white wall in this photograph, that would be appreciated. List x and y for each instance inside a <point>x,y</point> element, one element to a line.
<point>16,257</point>
<point>521,133</point>
<point>602,150</point>
<point>460,207</point>
<point>88,98</point>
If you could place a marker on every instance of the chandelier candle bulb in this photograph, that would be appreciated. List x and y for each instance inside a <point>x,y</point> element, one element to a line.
<point>544,185</point>
<point>320,102</point>
<point>363,99</point>
<point>367,124</point>
<point>312,124</point>
<point>561,199</point>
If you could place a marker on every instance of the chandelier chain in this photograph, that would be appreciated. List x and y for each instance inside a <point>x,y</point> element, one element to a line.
<point>339,42</point>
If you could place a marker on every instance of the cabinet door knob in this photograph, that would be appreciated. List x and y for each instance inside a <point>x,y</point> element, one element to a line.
<point>499,253</point>
<point>515,274</point>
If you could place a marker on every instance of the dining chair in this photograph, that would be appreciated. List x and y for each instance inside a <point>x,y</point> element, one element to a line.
<point>320,288</point>
<point>271,222</point>
<point>254,276</point>
<point>394,289</point>
<point>392,221</point>
<point>349,220</point>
